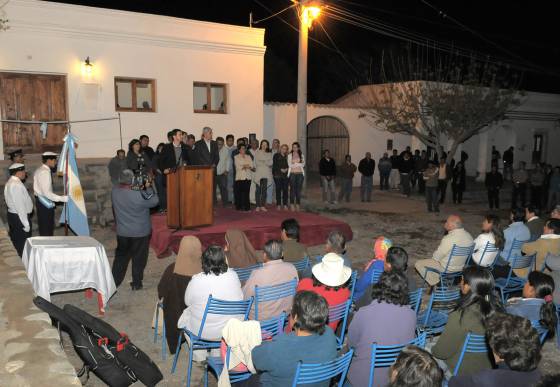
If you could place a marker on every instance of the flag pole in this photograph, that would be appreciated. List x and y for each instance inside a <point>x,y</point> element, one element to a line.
<point>66,183</point>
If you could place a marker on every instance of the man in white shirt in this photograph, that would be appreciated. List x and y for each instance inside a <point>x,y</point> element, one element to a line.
<point>231,174</point>
<point>456,235</point>
<point>44,195</point>
<point>19,206</point>
<point>222,170</point>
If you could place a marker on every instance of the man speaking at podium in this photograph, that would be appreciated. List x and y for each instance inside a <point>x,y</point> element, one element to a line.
<point>173,155</point>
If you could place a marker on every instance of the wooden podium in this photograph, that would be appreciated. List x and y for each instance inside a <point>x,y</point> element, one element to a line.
<point>190,192</point>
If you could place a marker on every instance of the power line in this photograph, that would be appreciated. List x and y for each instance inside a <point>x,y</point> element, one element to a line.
<point>338,50</point>
<point>275,14</point>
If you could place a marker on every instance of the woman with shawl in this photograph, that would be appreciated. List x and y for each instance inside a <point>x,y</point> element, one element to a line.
<point>239,250</point>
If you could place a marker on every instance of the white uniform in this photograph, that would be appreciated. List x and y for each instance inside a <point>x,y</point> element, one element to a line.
<point>18,200</point>
<point>42,184</point>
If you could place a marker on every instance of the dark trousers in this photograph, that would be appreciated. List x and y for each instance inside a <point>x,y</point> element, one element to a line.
<point>260,192</point>
<point>161,188</point>
<point>520,191</point>
<point>494,198</point>
<point>442,189</point>
<point>432,199</point>
<point>17,235</point>
<point>345,189</point>
<point>222,185</point>
<point>384,180</point>
<point>421,184</point>
<point>45,219</point>
<point>281,184</point>
<point>296,183</point>
<point>366,188</point>
<point>457,194</point>
<point>536,195</point>
<point>405,184</point>
<point>135,248</point>
<point>242,189</point>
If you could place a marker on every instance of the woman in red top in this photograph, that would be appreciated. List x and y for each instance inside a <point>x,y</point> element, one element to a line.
<point>331,280</point>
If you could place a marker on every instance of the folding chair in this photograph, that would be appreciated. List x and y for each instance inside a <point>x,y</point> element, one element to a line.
<point>375,275</point>
<point>274,292</point>
<point>473,344</point>
<point>441,303</point>
<point>163,332</point>
<point>302,265</point>
<point>307,373</point>
<point>515,249</point>
<point>383,356</point>
<point>340,313</point>
<point>542,331</point>
<point>245,272</point>
<point>415,299</point>
<point>447,278</point>
<point>269,329</point>
<point>352,286</point>
<point>213,306</point>
<point>489,248</point>
<point>512,284</point>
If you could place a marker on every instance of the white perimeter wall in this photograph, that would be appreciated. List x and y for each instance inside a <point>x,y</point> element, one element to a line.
<point>56,38</point>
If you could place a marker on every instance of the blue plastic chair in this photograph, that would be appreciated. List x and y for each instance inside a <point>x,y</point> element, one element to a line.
<point>489,248</point>
<point>383,356</point>
<point>515,249</point>
<point>473,344</point>
<point>352,285</point>
<point>542,331</point>
<point>274,292</point>
<point>245,272</point>
<point>434,318</point>
<point>163,333</point>
<point>375,275</point>
<point>340,313</point>
<point>269,329</point>
<point>319,372</point>
<point>512,284</point>
<point>213,306</point>
<point>302,265</point>
<point>415,299</point>
<point>447,278</point>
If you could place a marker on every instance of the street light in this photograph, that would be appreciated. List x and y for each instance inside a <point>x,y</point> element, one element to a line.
<point>309,11</point>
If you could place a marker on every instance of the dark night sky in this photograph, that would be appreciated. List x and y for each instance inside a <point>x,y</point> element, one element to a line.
<point>527,31</point>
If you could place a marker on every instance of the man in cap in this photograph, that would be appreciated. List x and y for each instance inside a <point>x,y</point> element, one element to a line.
<point>44,195</point>
<point>16,156</point>
<point>19,206</point>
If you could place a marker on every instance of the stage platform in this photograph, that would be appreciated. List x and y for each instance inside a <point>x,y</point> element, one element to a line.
<point>258,226</point>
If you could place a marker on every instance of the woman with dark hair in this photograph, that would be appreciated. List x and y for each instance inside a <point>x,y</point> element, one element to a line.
<point>280,174</point>
<point>296,173</point>
<point>478,302</point>
<point>493,233</point>
<point>263,174</point>
<point>244,168</point>
<point>136,160</point>
<point>310,342</point>
<point>459,183</point>
<point>536,303</point>
<point>415,367</point>
<point>159,178</point>
<point>388,320</point>
<point>517,351</point>
<point>217,280</point>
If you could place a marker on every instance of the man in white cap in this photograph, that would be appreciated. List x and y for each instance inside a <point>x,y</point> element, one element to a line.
<point>19,206</point>
<point>44,195</point>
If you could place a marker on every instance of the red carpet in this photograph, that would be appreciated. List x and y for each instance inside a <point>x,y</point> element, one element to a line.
<point>258,226</point>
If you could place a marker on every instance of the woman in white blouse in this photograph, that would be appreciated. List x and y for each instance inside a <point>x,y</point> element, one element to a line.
<point>296,173</point>
<point>217,280</point>
<point>244,168</point>
<point>263,174</point>
<point>493,233</point>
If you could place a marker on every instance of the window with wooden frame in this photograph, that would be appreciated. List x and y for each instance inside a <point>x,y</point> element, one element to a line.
<point>135,95</point>
<point>209,98</point>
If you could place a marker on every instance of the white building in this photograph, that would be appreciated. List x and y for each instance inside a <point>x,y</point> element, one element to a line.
<point>158,72</point>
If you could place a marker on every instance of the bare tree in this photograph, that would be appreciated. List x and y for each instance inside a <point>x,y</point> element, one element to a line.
<point>451,99</point>
<point>3,21</point>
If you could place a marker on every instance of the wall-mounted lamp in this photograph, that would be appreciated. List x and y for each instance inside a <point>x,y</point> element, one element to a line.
<point>88,66</point>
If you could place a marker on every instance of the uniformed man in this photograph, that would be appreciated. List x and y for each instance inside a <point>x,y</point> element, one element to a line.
<point>44,195</point>
<point>19,206</point>
<point>16,157</point>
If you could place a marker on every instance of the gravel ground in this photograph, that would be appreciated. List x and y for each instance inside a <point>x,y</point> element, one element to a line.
<point>404,220</point>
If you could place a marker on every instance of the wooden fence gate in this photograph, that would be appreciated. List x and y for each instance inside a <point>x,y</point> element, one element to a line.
<point>326,132</point>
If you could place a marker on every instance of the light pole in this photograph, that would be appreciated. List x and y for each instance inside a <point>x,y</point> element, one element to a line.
<point>309,11</point>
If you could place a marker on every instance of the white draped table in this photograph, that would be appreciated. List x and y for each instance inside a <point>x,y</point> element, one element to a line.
<point>66,263</point>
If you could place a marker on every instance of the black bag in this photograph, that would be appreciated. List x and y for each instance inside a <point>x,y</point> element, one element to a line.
<point>95,355</point>
<point>119,344</point>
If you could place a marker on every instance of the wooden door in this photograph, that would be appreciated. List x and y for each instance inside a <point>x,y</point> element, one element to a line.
<point>32,97</point>
<point>326,133</point>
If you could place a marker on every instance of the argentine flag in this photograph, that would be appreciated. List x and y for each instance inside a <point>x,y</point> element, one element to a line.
<point>74,211</point>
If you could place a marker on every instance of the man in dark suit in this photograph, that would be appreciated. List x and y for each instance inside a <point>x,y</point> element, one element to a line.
<point>206,152</point>
<point>173,154</point>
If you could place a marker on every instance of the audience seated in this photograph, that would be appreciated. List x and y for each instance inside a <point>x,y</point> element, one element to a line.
<point>217,280</point>
<point>534,223</point>
<point>477,303</point>
<point>330,279</point>
<point>173,284</point>
<point>293,250</point>
<point>536,303</point>
<point>310,342</point>
<point>415,367</point>
<point>548,243</point>
<point>239,250</point>
<point>380,248</point>
<point>493,233</point>
<point>387,320</point>
<point>274,272</point>
<point>456,235</point>
<point>396,260</point>
<point>517,352</point>
<point>516,230</point>
<point>336,243</point>
<point>555,213</point>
